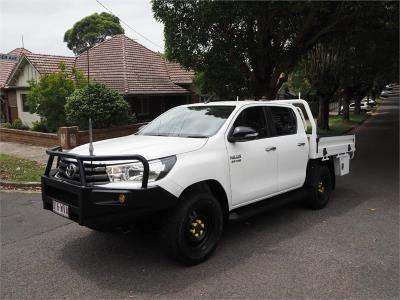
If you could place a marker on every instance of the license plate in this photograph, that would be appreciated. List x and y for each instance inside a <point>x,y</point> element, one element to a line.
<point>61,209</point>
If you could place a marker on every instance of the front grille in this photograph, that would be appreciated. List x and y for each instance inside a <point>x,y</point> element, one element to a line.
<point>94,173</point>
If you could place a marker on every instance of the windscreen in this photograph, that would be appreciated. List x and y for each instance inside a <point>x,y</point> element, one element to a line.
<point>192,121</point>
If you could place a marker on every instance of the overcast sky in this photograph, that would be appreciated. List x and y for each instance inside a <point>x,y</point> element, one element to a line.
<point>44,22</point>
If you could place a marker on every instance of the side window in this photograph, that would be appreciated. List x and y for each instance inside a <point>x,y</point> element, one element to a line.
<point>24,101</point>
<point>253,117</point>
<point>284,120</point>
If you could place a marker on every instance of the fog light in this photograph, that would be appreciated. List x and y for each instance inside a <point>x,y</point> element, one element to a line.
<point>122,198</point>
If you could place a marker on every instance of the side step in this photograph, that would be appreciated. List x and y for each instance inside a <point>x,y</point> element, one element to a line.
<point>250,210</point>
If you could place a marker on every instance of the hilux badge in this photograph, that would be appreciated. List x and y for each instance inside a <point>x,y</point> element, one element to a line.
<point>70,171</point>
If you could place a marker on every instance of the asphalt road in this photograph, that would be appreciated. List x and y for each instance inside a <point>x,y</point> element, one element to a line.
<point>348,250</point>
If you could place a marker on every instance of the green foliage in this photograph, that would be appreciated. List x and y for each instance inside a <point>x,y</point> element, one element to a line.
<point>105,106</point>
<point>298,82</point>
<point>40,126</point>
<point>372,55</point>
<point>247,47</point>
<point>17,124</point>
<point>47,96</point>
<point>92,30</point>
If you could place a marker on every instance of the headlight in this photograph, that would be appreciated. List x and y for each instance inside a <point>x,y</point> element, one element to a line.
<point>158,168</point>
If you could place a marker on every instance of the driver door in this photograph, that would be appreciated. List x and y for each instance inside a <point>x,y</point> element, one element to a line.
<point>253,163</point>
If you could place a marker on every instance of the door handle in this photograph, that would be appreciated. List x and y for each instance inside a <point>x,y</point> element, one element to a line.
<point>301,144</point>
<point>272,148</point>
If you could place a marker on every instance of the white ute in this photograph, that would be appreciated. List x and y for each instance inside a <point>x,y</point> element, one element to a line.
<point>196,166</point>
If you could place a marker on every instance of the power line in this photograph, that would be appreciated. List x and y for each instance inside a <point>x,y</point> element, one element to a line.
<point>127,25</point>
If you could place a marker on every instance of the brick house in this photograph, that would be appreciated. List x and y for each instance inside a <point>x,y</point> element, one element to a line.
<point>8,97</point>
<point>149,83</point>
<point>30,66</point>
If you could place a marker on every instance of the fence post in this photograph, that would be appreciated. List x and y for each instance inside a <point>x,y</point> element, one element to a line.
<point>68,137</point>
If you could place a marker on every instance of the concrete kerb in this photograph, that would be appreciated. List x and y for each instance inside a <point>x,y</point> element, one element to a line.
<point>363,121</point>
<point>19,184</point>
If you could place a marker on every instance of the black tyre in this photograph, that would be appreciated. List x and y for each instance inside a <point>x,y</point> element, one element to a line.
<point>190,233</point>
<point>320,191</point>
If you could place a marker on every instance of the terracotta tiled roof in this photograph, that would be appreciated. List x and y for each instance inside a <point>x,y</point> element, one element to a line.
<point>178,74</point>
<point>19,51</point>
<point>129,67</point>
<point>119,62</point>
<point>46,64</point>
<point>7,65</point>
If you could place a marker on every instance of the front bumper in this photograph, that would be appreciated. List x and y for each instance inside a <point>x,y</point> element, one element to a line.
<point>93,205</point>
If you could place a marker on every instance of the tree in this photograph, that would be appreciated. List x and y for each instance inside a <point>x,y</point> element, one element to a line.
<point>92,30</point>
<point>47,96</point>
<point>247,47</point>
<point>321,66</point>
<point>104,106</point>
<point>373,48</point>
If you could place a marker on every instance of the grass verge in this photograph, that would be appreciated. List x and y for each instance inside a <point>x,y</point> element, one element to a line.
<point>17,169</point>
<point>338,126</point>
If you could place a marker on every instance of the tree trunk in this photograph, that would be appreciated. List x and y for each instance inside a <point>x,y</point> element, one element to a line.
<point>357,108</point>
<point>346,102</point>
<point>323,112</point>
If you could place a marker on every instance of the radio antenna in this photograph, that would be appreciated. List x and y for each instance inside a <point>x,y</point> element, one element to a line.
<point>91,149</point>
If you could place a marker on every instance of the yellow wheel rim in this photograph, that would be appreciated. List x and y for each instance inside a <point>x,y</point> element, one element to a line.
<point>197,228</point>
<point>321,187</point>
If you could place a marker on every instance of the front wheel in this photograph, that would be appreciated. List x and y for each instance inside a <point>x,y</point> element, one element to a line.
<point>190,233</point>
<point>320,191</point>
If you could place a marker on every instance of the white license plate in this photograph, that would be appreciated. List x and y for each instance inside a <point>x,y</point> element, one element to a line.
<point>61,209</point>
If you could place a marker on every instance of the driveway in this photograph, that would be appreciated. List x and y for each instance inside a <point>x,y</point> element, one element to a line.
<point>348,250</point>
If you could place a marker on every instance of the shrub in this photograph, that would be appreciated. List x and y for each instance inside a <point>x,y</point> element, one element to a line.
<point>105,106</point>
<point>47,96</point>
<point>40,126</point>
<point>17,124</point>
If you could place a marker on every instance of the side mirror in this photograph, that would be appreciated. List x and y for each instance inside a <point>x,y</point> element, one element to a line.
<point>242,134</point>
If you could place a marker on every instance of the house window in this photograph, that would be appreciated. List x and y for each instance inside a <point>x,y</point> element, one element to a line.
<point>144,107</point>
<point>24,101</point>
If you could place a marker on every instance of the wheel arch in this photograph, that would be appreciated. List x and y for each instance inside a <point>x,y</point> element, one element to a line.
<point>329,164</point>
<point>312,168</point>
<point>216,189</point>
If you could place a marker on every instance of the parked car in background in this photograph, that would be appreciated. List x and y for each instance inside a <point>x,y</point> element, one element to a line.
<point>370,102</point>
<point>385,93</point>
<point>390,86</point>
<point>364,107</point>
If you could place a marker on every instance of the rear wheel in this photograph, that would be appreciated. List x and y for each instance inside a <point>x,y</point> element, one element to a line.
<point>190,233</point>
<point>320,190</point>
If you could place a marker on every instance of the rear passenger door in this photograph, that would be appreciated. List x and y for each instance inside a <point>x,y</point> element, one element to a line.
<point>292,146</point>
